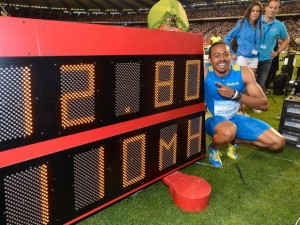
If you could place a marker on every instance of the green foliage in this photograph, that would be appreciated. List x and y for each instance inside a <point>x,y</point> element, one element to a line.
<point>261,188</point>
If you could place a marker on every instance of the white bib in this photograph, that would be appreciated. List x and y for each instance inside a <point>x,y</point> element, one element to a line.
<point>227,109</point>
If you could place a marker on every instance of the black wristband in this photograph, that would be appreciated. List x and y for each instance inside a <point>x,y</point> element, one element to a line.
<point>236,96</point>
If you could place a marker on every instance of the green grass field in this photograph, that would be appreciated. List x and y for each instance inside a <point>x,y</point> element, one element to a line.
<point>261,188</point>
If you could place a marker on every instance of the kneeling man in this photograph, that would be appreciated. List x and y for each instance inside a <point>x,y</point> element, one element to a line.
<point>224,88</point>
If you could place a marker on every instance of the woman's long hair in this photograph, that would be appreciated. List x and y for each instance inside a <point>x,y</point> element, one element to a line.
<point>248,12</point>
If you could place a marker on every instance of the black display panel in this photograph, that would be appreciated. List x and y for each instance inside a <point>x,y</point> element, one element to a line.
<point>91,175</point>
<point>146,114</point>
<point>45,98</point>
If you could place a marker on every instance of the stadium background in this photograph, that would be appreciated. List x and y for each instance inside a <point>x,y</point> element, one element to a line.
<point>204,17</point>
<point>207,17</point>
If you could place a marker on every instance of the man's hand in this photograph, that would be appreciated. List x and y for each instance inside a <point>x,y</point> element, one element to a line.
<point>274,54</point>
<point>225,91</point>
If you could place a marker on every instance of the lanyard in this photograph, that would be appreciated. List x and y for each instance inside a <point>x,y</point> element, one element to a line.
<point>265,33</point>
<point>255,36</point>
<point>255,29</point>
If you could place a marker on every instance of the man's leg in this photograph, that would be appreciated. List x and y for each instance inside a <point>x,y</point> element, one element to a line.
<point>269,78</point>
<point>257,132</point>
<point>270,139</point>
<point>262,72</point>
<point>222,132</point>
<point>225,133</point>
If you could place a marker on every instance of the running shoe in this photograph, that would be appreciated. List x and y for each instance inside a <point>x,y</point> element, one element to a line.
<point>256,110</point>
<point>231,151</point>
<point>214,157</point>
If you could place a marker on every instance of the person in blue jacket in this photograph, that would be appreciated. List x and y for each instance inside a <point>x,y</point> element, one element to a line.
<point>272,30</point>
<point>247,34</point>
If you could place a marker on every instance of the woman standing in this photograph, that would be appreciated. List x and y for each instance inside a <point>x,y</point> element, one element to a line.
<point>247,33</point>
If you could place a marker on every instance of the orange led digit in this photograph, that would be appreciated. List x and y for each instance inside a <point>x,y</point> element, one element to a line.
<point>192,80</point>
<point>27,196</point>
<point>77,94</point>
<point>134,150</point>
<point>16,103</point>
<point>101,173</point>
<point>194,136</point>
<point>164,83</point>
<point>167,147</point>
<point>27,100</point>
<point>44,194</point>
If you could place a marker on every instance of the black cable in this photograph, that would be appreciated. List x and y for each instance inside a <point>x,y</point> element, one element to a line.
<point>242,178</point>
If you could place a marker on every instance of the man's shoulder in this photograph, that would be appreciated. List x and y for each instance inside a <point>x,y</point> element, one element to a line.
<point>282,30</point>
<point>275,22</point>
<point>209,69</point>
<point>235,67</point>
<point>208,72</point>
<point>278,23</point>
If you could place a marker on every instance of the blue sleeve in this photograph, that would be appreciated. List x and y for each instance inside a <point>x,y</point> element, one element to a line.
<point>283,32</point>
<point>232,34</point>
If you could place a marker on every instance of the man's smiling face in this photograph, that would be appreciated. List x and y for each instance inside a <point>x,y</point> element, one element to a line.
<point>220,59</point>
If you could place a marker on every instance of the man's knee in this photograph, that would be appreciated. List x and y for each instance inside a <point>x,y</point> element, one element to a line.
<point>272,139</point>
<point>227,131</point>
<point>279,143</point>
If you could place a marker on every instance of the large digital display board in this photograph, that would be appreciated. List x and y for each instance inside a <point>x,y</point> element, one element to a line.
<point>91,114</point>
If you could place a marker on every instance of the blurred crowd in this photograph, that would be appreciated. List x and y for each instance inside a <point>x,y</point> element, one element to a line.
<point>209,28</point>
<point>206,20</point>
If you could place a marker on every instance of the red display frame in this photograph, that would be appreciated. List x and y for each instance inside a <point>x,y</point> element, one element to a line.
<point>30,37</point>
<point>45,39</point>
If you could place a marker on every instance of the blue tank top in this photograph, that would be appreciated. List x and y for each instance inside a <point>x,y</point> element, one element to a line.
<point>216,104</point>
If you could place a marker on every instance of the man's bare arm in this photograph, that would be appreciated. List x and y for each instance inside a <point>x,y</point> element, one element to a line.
<point>256,98</point>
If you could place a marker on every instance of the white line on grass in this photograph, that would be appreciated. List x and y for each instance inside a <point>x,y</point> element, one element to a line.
<point>274,157</point>
<point>205,164</point>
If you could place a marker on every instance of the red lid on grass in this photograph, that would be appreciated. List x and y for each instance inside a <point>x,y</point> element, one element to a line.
<point>190,193</point>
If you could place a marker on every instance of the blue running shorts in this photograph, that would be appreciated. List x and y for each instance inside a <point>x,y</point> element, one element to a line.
<point>248,128</point>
